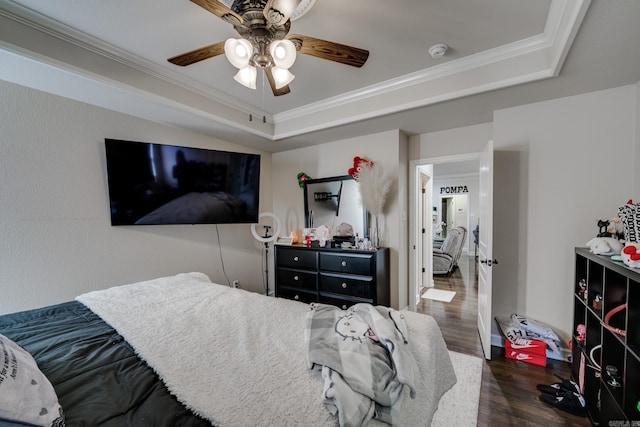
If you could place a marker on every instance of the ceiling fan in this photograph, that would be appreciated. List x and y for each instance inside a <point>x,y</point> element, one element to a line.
<point>263,26</point>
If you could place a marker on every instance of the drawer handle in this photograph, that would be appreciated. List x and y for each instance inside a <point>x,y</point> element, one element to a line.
<point>344,306</point>
<point>344,263</point>
<point>296,278</point>
<point>296,297</point>
<point>344,285</point>
<point>295,258</point>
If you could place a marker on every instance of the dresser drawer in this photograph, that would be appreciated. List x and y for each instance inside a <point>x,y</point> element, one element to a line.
<point>342,303</point>
<point>355,286</point>
<point>347,263</point>
<point>297,258</point>
<point>297,278</point>
<point>297,295</point>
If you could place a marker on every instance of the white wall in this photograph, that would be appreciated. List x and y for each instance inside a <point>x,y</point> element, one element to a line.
<point>561,166</point>
<point>451,142</point>
<point>57,241</point>
<point>334,159</point>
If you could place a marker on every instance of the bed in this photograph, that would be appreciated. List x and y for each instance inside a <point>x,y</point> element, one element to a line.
<point>184,351</point>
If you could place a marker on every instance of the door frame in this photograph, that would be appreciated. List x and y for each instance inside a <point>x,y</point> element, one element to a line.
<point>416,168</point>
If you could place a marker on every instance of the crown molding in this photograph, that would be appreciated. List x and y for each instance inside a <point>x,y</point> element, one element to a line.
<point>527,60</point>
<point>537,57</point>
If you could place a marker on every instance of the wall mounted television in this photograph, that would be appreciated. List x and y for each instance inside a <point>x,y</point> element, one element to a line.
<point>166,184</point>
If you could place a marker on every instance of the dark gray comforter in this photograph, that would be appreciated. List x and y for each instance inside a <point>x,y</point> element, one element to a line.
<point>97,376</point>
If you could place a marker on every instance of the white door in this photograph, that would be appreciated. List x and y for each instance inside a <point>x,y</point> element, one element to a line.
<point>485,247</point>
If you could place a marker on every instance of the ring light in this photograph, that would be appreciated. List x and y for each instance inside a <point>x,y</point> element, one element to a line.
<point>266,239</point>
<point>276,227</point>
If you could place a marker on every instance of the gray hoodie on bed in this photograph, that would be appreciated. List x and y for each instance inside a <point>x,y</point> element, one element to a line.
<point>365,359</point>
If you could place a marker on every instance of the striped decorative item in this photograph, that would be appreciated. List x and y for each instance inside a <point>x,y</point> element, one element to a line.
<point>630,216</point>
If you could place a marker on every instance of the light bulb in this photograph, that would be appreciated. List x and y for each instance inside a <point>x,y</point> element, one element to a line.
<point>246,76</point>
<point>279,52</point>
<point>283,53</point>
<point>281,77</point>
<point>238,52</point>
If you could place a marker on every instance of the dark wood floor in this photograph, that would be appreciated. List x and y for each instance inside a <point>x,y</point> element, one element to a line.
<point>508,396</point>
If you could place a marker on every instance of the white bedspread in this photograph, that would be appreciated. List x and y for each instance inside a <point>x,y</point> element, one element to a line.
<point>238,358</point>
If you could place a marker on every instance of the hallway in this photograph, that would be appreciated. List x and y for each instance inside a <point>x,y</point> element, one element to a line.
<point>508,396</point>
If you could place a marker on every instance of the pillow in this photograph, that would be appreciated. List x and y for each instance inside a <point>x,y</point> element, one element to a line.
<point>630,216</point>
<point>26,395</point>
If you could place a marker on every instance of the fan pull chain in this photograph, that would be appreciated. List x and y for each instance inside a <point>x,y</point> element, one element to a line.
<point>264,118</point>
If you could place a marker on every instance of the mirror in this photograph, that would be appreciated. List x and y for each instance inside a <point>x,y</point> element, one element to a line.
<point>333,201</point>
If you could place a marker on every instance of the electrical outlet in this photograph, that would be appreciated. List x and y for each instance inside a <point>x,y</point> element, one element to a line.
<point>236,283</point>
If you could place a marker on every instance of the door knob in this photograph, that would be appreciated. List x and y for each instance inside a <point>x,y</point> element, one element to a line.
<point>489,262</point>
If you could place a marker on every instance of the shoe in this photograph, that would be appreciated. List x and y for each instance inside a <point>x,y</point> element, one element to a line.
<point>557,389</point>
<point>569,401</point>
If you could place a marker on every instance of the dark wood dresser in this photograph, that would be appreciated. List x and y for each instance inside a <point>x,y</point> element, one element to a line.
<point>340,277</point>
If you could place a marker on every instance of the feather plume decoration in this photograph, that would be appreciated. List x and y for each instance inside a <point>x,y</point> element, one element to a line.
<point>374,187</point>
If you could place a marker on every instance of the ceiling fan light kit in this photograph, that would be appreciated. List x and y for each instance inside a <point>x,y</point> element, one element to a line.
<point>263,26</point>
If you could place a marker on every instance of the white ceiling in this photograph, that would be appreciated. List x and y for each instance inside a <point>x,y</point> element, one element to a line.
<point>502,53</point>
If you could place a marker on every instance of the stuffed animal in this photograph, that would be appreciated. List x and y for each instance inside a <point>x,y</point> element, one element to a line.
<point>604,245</point>
<point>603,226</point>
<point>358,163</point>
<point>322,235</point>
<point>631,255</point>
<point>616,228</point>
<point>630,216</point>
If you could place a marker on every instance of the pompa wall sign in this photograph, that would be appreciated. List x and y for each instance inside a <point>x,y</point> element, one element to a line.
<point>454,190</point>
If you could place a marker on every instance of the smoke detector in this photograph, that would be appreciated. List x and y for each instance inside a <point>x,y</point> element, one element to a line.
<point>437,51</point>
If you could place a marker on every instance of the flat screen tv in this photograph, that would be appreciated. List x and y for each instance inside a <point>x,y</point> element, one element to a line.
<point>165,184</point>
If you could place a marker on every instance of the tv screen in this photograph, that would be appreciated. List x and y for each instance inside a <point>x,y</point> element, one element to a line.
<point>165,184</point>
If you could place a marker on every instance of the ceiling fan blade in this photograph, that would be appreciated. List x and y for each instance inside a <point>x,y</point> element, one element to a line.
<point>332,51</point>
<point>198,54</point>
<point>220,10</point>
<point>278,12</point>
<point>276,92</point>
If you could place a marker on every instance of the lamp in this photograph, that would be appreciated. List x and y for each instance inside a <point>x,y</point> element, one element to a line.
<point>282,77</point>
<point>266,239</point>
<point>246,76</point>
<point>283,53</point>
<point>245,56</point>
<point>238,52</point>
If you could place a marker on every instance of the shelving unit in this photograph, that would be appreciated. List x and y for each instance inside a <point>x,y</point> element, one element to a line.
<point>602,285</point>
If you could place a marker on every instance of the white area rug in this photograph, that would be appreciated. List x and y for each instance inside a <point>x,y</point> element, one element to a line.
<point>459,406</point>
<point>439,295</point>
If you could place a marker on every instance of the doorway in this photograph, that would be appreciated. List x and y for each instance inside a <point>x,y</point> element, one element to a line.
<point>454,213</point>
<point>482,164</point>
<point>428,207</point>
